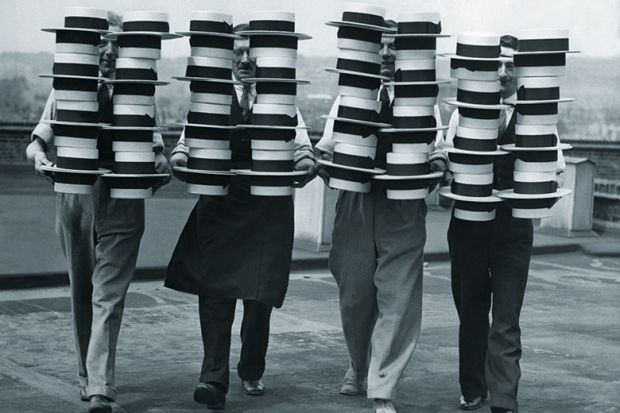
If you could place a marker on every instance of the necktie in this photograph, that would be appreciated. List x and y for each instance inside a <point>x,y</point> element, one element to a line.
<point>104,98</point>
<point>502,123</point>
<point>384,97</point>
<point>244,102</point>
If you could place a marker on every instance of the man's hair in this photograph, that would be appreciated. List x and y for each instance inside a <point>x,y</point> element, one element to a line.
<point>241,27</point>
<point>391,24</point>
<point>508,41</point>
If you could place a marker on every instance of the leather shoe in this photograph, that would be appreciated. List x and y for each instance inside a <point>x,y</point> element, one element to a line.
<point>383,406</point>
<point>471,404</point>
<point>253,387</point>
<point>99,404</point>
<point>352,384</point>
<point>211,394</point>
<point>83,396</point>
<point>500,410</point>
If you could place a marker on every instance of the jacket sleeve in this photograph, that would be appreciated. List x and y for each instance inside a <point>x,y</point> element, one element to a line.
<point>303,147</point>
<point>44,130</point>
<point>439,154</point>
<point>326,144</point>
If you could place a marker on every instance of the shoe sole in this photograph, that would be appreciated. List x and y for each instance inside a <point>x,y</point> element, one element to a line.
<point>100,409</point>
<point>204,396</point>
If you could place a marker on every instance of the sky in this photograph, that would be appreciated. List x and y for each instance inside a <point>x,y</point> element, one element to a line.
<point>594,25</point>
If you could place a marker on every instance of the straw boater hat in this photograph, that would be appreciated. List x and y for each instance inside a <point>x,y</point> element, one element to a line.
<point>477,56</point>
<point>271,173</point>
<point>541,52</point>
<point>471,187</point>
<point>418,24</point>
<point>359,63</point>
<point>535,137</point>
<point>351,167</point>
<point>408,175</point>
<point>359,111</point>
<point>273,23</point>
<point>207,171</point>
<point>538,90</point>
<point>211,23</point>
<point>76,169</point>
<point>275,69</point>
<point>145,23</point>
<point>134,175</point>
<point>363,16</point>
<point>474,211</point>
<point>83,19</point>
<point>208,69</point>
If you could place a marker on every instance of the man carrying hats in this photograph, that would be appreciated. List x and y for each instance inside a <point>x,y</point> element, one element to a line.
<point>237,246</point>
<point>490,264</point>
<point>377,258</point>
<point>100,238</point>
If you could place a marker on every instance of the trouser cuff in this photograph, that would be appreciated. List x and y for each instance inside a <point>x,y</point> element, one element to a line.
<point>504,403</point>
<point>107,391</point>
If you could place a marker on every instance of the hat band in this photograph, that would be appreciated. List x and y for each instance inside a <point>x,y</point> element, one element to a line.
<point>546,187</point>
<point>208,179</point>
<point>471,190</point>
<point>76,116</point>
<point>135,74</point>
<point>408,185</point>
<point>210,26</point>
<point>272,166</point>
<point>540,60</point>
<point>77,163</point>
<point>408,169</point>
<point>74,69</point>
<point>474,50</point>
<point>75,179</point>
<point>139,41</point>
<point>357,129</point>
<point>285,135</point>
<point>134,167</point>
<point>271,180</point>
<point>134,89</point>
<point>474,206</point>
<point>363,18</point>
<point>365,162</point>
<point>537,156</point>
<point>64,36</point>
<point>414,75</point>
<point>286,42</point>
<point>217,42</point>
<point>272,25</point>
<point>130,183</point>
<point>474,65</point>
<point>479,113</point>
<point>274,120</point>
<point>196,132</point>
<point>356,33</point>
<point>129,135</point>
<point>206,164</point>
<point>412,137</point>
<point>415,43</point>
<point>481,145</point>
<point>146,26</point>
<point>478,98</point>
<point>415,122</point>
<point>358,66</point>
<point>538,109</point>
<point>208,118</point>
<point>349,175</point>
<point>275,72</point>
<point>348,112</point>
<point>416,91</point>
<point>464,159</point>
<point>204,86</point>
<point>75,22</point>
<point>276,88</point>
<point>532,203</point>
<point>535,141</point>
<point>208,72</point>
<point>346,79</point>
<point>543,45</point>
<point>133,120</point>
<point>75,131</point>
<point>538,93</point>
<point>419,28</point>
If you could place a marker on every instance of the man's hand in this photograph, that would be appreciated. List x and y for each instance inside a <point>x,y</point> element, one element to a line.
<point>305,164</point>
<point>40,159</point>
<point>178,159</point>
<point>322,170</point>
<point>437,165</point>
<point>161,167</point>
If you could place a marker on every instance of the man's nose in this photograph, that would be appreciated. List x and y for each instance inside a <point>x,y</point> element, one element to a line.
<point>245,57</point>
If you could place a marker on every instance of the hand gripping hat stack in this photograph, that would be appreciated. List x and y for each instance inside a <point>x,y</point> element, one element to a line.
<point>273,43</point>
<point>76,78</point>
<point>415,94</point>
<point>357,118</point>
<point>207,131</point>
<point>475,67</point>
<point>133,121</point>
<point>539,60</point>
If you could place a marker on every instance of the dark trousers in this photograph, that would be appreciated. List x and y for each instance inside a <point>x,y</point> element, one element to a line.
<point>216,319</point>
<point>490,264</point>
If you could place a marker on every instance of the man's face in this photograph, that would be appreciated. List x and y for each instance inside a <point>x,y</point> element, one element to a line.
<point>507,79</point>
<point>108,52</point>
<point>244,66</point>
<point>388,54</point>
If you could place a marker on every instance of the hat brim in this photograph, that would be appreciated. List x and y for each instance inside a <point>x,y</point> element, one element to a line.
<point>207,79</point>
<point>274,80</point>
<point>359,122</point>
<point>62,122</point>
<point>509,54</point>
<point>484,153</point>
<point>403,130</point>
<point>510,194</point>
<point>153,128</point>
<point>432,175</point>
<point>454,102</point>
<point>54,168</point>
<point>51,75</point>
<point>137,81</point>
<point>513,148</point>
<point>246,126</point>
<point>216,34</point>
<point>153,176</point>
<point>438,35</point>
<point>164,36</point>
<point>202,125</point>
<point>500,58</point>
<point>186,170</point>
<point>425,82</point>
<point>74,29</point>
<point>447,192</point>
<point>375,171</point>
<point>381,29</point>
<point>536,102</point>
<point>351,72</point>
<point>250,172</point>
<point>299,36</point>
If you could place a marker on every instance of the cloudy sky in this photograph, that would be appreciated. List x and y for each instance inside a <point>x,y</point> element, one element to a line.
<point>594,25</point>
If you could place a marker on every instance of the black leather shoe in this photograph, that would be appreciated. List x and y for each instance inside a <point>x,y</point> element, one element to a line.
<point>99,404</point>
<point>471,404</point>
<point>213,395</point>
<point>253,387</point>
<point>501,410</point>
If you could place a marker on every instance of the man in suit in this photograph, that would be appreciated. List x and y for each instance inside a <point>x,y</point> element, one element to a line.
<point>237,246</point>
<point>490,264</point>
<point>376,258</point>
<point>100,238</point>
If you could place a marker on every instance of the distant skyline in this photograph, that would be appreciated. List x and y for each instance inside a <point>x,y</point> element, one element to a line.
<point>594,25</point>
